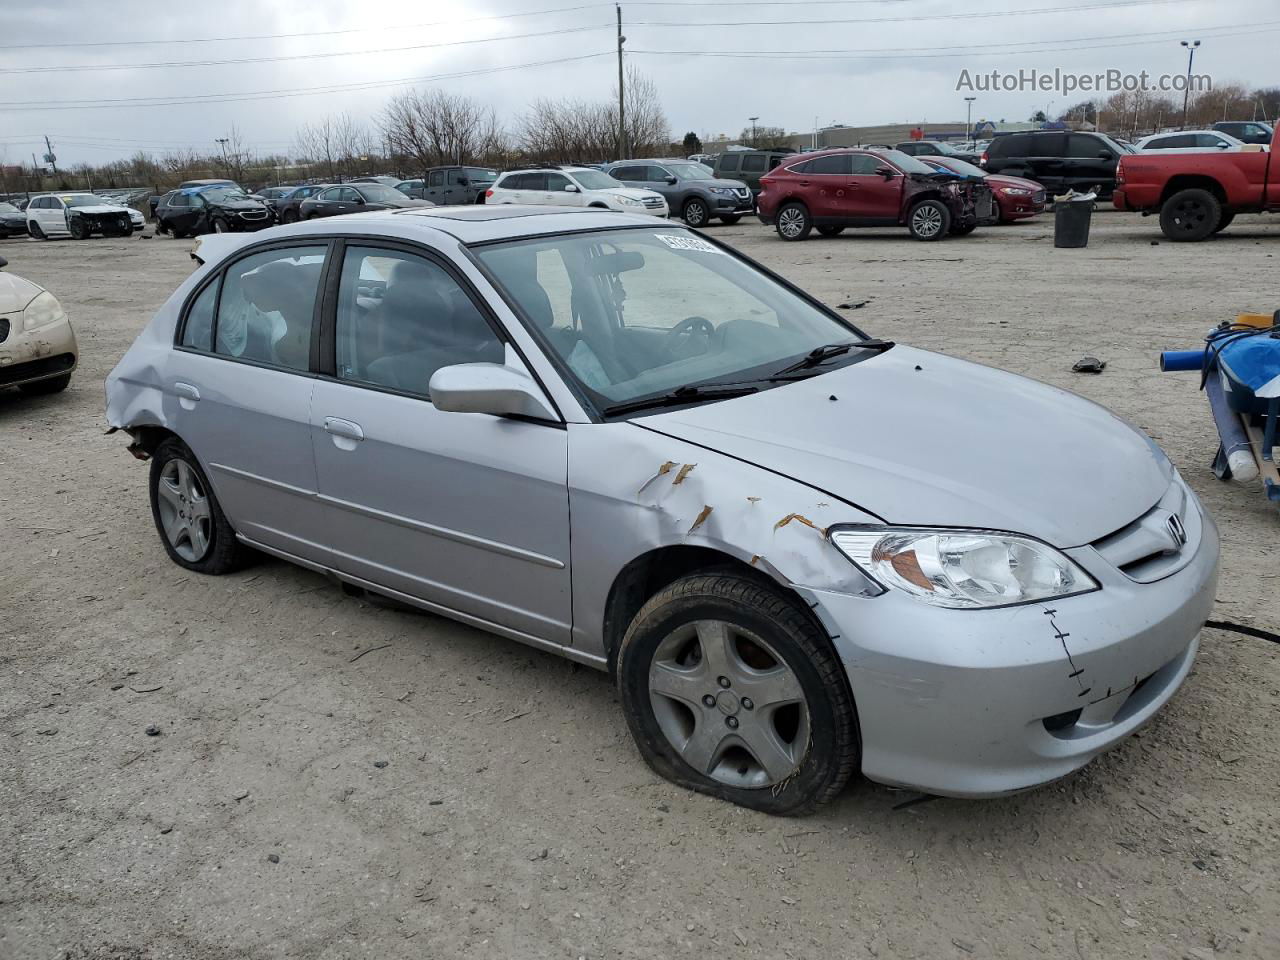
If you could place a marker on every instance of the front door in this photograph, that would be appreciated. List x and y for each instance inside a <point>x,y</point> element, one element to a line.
<point>53,217</point>
<point>240,385</point>
<point>466,511</point>
<point>873,198</point>
<point>435,190</point>
<point>559,194</point>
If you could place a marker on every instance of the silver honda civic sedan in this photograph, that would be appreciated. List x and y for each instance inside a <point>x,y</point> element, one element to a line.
<point>803,553</point>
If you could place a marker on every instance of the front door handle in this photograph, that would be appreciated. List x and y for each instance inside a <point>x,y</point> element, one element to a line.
<point>343,428</point>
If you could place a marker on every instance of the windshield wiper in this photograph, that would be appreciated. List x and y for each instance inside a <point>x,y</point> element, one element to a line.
<point>689,393</point>
<point>820,355</point>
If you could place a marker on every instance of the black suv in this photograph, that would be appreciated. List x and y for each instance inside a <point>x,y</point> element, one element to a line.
<point>1059,159</point>
<point>935,148</point>
<point>749,165</point>
<point>210,210</point>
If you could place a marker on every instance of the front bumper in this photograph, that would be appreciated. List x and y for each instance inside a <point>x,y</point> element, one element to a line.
<point>27,357</point>
<point>731,206</point>
<point>246,224</point>
<point>1019,208</point>
<point>981,703</point>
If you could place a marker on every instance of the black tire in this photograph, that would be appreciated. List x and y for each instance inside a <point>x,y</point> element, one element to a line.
<point>179,233</point>
<point>1224,221</point>
<point>1190,215</point>
<point>51,385</point>
<point>832,753</point>
<point>729,219</point>
<point>828,230</point>
<point>929,220</point>
<point>220,225</point>
<point>695,213</point>
<point>33,228</point>
<point>963,231</point>
<point>224,553</point>
<point>79,229</point>
<point>289,216</point>
<point>793,221</point>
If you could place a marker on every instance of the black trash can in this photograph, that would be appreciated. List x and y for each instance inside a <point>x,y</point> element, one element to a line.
<point>1071,220</point>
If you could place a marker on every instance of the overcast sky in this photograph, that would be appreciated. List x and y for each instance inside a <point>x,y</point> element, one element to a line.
<point>877,72</point>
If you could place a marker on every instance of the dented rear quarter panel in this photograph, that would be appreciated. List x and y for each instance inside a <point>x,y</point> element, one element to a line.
<point>632,491</point>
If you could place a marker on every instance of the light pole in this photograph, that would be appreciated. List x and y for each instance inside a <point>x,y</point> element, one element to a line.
<point>226,164</point>
<point>968,117</point>
<point>1186,91</point>
<point>753,130</point>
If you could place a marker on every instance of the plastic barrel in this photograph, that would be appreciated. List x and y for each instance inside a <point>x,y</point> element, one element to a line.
<point>1071,220</point>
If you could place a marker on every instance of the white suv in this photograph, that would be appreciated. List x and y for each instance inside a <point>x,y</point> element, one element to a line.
<point>573,187</point>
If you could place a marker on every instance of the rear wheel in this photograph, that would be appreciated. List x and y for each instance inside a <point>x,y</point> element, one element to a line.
<point>830,231</point>
<point>794,222</point>
<point>51,385</point>
<point>1224,221</point>
<point>731,689</point>
<point>1190,215</point>
<point>191,524</point>
<point>929,220</point>
<point>695,213</point>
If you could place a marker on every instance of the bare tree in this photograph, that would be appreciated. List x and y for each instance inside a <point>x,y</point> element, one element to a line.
<point>432,128</point>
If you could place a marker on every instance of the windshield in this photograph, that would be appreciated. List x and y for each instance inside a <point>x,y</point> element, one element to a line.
<point>8,208</point>
<point>1116,145</point>
<point>223,194</point>
<point>83,200</point>
<point>690,171</point>
<point>635,313</point>
<point>379,193</point>
<point>595,180</point>
<point>905,163</point>
<point>478,173</point>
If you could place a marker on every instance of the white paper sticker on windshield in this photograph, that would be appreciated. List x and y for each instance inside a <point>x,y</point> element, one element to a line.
<point>688,243</point>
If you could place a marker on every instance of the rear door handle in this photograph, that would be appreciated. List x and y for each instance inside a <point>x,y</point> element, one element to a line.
<point>186,391</point>
<point>343,428</point>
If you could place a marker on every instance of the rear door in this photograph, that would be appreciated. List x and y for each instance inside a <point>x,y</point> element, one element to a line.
<point>1043,156</point>
<point>466,511</point>
<point>241,381</point>
<point>830,195</point>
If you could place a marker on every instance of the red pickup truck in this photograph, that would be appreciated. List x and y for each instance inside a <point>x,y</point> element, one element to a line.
<point>1198,194</point>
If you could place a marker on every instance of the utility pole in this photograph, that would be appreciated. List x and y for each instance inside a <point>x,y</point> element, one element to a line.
<point>968,118</point>
<point>754,139</point>
<point>49,157</point>
<point>226,164</point>
<point>622,99</point>
<point>1186,93</point>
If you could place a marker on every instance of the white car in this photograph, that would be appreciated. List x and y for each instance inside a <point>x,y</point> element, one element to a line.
<point>77,215</point>
<point>563,186</point>
<point>1189,141</point>
<point>38,349</point>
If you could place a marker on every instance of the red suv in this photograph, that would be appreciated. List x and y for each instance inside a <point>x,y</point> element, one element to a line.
<point>834,189</point>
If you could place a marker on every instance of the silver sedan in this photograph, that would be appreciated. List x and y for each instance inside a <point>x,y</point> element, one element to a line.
<point>803,553</point>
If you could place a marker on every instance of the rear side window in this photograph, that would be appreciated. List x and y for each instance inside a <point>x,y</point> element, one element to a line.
<point>629,174</point>
<point>266,307</point>
<point>729,164</point>
<point>753,163</point>
<point>833,164</point>
<point>802,167</point>
<point>197,332</point>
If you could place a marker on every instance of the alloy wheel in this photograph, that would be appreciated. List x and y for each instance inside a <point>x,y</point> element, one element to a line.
<point>695,214</point>
<point>184,510</point>
<point>790,222</point>
<point>926,220</point>
<point>729,704</point>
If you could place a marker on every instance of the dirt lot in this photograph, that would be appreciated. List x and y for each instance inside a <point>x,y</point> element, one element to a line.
<point>452,794</point>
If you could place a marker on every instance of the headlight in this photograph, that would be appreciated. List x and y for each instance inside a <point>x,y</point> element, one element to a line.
<point>1016,191</point>
<point>630,202</point>
<point>43,311</point>
<point>722,191</point>
<point>962,568</point>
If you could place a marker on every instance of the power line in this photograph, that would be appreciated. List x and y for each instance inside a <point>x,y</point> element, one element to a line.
<point>30,105</point>
<point>292,36</point>
<point>297,56</point>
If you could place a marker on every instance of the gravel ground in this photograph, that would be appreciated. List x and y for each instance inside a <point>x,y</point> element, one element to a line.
<point>452,794</point>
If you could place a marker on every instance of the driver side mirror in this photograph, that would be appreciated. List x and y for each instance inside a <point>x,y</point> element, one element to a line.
<point>492,388</point>
<point>570,188</point>
<point>669,178</point>
<point>359,200</point>
<point>887,172</point>
<point>1105,155</point>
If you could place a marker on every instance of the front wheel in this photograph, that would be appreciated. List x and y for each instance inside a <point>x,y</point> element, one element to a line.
<point>1190,215</point>
<point>794,222</point>
<point>191,524</point>
<point>221,226</point>
<point>733,690</point>
<point>929,220</point>
<point>695,213</point>
<point>289,216</point>
<point>79,229</point>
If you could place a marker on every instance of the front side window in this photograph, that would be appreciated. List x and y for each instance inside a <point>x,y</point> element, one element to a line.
<point>863,164</point>
<point>267,305</point>
<point>436,178</point>
<point>401,318</point>
<point>729,164</point>
<point>557,182</point>
<point>1083,147</point>
<point>333,193</point>
<point>635,313</point>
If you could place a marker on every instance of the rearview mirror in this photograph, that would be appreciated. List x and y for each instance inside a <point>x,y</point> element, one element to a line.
<point>570,188</point>
<point>887,172</point>
<point>491,388</point>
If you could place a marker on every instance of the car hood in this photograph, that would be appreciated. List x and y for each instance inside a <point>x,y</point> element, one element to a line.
<point>16,293</point>
<point>632,193</point>
<point>239,205</point>
<point>98,208</point>
<point>1000,180</point>
<point>719,182</point>
<point>917,438</point>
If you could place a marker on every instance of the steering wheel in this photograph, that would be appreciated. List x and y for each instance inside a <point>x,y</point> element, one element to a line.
<point>684,332</point>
